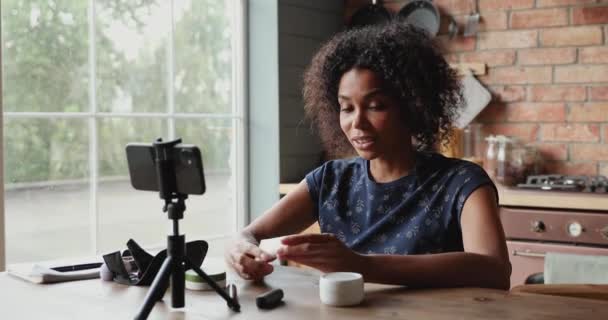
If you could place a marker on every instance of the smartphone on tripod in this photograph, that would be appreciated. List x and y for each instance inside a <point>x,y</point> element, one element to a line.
<point>187,165</point>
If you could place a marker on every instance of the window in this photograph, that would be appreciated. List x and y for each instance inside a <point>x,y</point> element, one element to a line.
<point>83,78</point>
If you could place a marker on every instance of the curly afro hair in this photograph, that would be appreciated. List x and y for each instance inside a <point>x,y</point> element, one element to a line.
<point>411,68</point>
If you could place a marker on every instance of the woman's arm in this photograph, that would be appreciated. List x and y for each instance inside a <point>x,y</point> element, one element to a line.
<point>484,263</point>
<point>293,213</point>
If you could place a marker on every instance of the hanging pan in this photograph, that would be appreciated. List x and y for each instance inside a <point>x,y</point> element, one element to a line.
<point>369,15</point>
<point>422,14</point>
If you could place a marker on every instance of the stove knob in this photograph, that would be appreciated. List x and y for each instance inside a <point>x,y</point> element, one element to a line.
<point>604,232</point>
<point>575,229</point>
<point>538,226</point>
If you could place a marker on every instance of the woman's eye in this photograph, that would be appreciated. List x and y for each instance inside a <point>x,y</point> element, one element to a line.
<point>346,109</point>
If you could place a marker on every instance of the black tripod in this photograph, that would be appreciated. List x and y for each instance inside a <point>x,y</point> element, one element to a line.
<point>176,261</point>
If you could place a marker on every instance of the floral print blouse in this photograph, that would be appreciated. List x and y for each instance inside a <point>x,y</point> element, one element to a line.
<point>416,214</point>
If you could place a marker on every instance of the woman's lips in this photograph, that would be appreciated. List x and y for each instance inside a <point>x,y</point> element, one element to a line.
<point>362,143</point>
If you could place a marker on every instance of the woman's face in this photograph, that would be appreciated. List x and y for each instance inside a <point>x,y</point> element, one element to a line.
<point>369,117</point>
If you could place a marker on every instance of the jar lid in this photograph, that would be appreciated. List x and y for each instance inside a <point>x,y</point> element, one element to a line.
<point>214,268</point>
<point>192,276</point>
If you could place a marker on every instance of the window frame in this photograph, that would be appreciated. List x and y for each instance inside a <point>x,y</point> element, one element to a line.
<point>239,117</point>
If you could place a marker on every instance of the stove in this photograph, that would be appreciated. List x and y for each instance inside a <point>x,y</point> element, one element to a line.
<point>532,232</point>
<point>557,182</point>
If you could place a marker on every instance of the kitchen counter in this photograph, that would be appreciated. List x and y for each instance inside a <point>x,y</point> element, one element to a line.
<point>552,199</point>
<point>532,198</point>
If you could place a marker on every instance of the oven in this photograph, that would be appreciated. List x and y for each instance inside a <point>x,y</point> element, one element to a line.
<point>562,214</point>
<point>532,232</point>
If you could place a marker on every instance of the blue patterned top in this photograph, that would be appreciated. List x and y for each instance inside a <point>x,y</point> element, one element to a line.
<point>415,214</point>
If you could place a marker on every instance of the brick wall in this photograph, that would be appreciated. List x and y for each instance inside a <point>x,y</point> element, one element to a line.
<point>547,69</point>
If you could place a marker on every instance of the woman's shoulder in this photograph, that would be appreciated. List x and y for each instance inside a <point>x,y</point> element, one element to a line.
<point>336,169</point>
<point>346,164</point>
<point>447,167</point>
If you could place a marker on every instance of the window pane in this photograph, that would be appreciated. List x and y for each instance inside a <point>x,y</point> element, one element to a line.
<point>203,56</point>
<point>131,44</point>
<point>124,212</point>
<point>213,212</point>
<point>44,55</point>
<point>46,182</point>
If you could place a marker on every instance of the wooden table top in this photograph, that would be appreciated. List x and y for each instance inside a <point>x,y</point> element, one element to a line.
<point>95,299</point>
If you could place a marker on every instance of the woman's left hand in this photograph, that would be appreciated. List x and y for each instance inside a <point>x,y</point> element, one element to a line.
<point>321,251</point>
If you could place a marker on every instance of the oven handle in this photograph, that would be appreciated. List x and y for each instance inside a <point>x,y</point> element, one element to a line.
<point>528,253</point>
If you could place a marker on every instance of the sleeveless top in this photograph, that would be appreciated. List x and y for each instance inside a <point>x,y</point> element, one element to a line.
<point>416,214</point>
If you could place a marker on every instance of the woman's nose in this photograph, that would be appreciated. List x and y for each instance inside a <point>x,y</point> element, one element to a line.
<point>359,119</point>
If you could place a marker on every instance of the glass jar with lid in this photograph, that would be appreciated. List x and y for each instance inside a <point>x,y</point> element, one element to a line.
<point>472,144</point>
<point>505,166</point>
<point>523,162</point>
<point>489,163</point>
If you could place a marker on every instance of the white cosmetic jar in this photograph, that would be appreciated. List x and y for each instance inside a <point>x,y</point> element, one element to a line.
<point>341,289</point>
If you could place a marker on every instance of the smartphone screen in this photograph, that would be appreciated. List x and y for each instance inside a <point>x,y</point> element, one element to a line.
<point>187,163</point>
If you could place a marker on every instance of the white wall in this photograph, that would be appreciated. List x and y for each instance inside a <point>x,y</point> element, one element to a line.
<point>263,104</point>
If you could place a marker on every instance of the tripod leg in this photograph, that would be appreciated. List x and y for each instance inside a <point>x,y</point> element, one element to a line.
<point>178,284</point>
<point>232,304</point>
<point>157,289</point>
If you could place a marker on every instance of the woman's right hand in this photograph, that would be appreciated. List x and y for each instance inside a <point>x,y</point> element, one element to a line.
<point>247,259</point>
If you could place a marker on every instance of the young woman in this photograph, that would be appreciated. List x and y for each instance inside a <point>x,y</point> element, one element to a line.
<point>397,212</point>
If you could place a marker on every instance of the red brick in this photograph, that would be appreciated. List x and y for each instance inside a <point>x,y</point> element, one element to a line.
<point>508,39</point>
<point>588,112</point>
<point>589,151</point>
<point>589,15</point>
<point>604,169</point>
<point>569,168</point>
<point>552,151</point>
<point>593,55</point>
<point>453,7</point>
<point>492,58</point>
<point>457,44</point>
<point>452,57</point>
<point>494,112</point>
<point>571,36</point>
<point>555,3</point>
<point>496,5</point>
<point>518,75</point>
<point>546,56</point>
<point>581,73</point>
<point>570,132</point>
<point>539,18</point>
<point>530,112</point>
<point>490,21</point>
<point>598,93</point>
<point>605,133</point>
<point>524,131</point>
<point>508,93</point>
<point>557,93</point>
